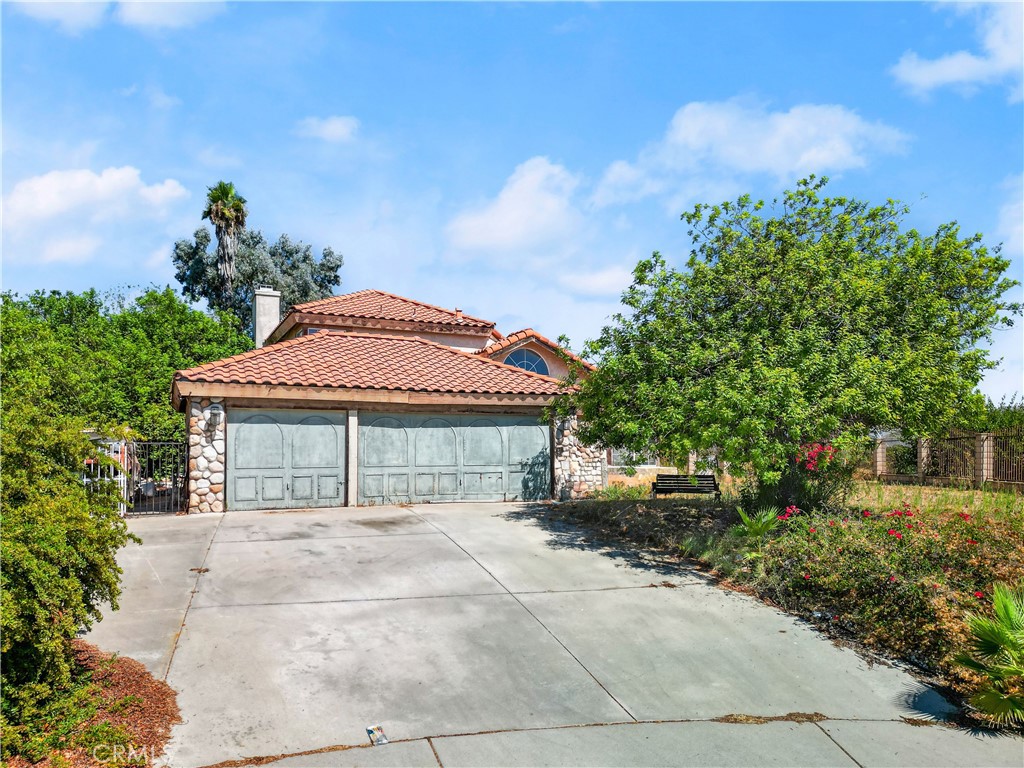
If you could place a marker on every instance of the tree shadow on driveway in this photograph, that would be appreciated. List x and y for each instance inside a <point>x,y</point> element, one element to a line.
<point>565,534</point>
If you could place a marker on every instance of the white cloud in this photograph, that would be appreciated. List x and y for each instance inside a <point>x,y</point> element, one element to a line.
<point>335,129</point>
<point>77,16</point>
<point>72,18</point>
<point>610,281</point>
<point>735,137</point>
<point>533,209</point>
<point>74,249</point>
<point>176,15</point>
<point>110,193</point>
<point>1000,27</point>
<point>1011,218</point>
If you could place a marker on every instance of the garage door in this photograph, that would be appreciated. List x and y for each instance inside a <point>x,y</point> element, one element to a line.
<point>285,459</point>
<point>417,458</point>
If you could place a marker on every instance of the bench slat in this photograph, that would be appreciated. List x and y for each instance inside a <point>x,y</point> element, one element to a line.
<point>699,484</point>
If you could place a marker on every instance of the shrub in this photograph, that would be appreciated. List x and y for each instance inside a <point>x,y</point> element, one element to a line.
<point>57,554</point>
<point>622,492</point>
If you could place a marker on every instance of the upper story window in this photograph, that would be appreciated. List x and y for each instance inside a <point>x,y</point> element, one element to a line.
<point>528,360</point>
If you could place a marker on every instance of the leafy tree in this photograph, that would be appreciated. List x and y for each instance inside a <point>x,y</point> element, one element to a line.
<point>60,538</point>
<point>122,355</point>
<point>288,266</point>
<point>795,334</point>
<point>226,210</point>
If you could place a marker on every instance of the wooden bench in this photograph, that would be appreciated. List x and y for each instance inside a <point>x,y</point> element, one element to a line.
<point>702,484</point>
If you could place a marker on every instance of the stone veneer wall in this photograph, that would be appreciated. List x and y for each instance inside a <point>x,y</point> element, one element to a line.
<point>579,469</point>
<point>205,458</point>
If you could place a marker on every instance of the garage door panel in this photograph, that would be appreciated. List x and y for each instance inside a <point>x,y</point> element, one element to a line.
<point>246,488</point>
<point>452,458</point>
<point>285,459</point>
<point>302,487</point>
<point>273,488</point>
<point>328,487</point>
<point>435,444</point>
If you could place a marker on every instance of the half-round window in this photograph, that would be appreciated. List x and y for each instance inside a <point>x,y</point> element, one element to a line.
<point>528,360</point>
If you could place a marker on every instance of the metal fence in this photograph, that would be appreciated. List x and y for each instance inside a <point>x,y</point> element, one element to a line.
<point>159,477</point>
<point>951,456</point>
<point>152,477</point>
<point>1007,455</point>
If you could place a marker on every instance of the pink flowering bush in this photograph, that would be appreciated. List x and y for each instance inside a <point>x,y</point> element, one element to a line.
<point>900,580</point>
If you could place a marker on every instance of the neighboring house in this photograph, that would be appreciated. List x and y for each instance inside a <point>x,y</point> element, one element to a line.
<point>372,398</point>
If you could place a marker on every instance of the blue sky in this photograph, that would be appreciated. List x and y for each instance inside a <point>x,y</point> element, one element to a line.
<point>514,160</point>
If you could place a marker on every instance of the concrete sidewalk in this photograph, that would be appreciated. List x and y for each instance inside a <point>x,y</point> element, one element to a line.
<point>485,634</point>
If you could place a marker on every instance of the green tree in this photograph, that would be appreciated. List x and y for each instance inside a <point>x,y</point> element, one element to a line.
<point>226,210</point>
<point>123,354</point>
<point>286,265</point>
<point>816,325</point>
<point>60,537</point>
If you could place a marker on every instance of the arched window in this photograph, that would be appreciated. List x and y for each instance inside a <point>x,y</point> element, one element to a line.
<point>528,360</point>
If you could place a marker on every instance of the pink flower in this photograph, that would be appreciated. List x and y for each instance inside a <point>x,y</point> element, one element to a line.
<point>892,578</point>
<point>807,575</point>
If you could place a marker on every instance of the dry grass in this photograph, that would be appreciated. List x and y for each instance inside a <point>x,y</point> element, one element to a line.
<point>880,496</point>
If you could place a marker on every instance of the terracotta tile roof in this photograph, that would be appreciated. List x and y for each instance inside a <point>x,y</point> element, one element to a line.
<point>371,361</point>
<point>380,305</point>
<point>528,334</point>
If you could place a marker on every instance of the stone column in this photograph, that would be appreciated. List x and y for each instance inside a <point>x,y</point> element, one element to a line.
<point>923,457</point>
<point>982,458</point>
<point>578,469</point>
<point>878,459</point>
<point>207,428</point>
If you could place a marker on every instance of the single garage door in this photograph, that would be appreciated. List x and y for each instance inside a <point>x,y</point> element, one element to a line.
<point>418,458</point>
<point>285,459</point>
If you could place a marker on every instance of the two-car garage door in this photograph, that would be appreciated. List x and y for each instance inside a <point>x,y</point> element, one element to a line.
<point>418,458</point>
<point>297,459</point>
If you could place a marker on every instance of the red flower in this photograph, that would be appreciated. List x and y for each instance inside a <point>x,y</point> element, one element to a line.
<point>909,513</point>
<point>910,525</point>
<point>965,516</point>
<point>892,578</point>
<point>899,535</point>
<point>935,586</point>
<point>807,575</point>
<point>971,541</point>
<point>813,530</point>
<point>866,513</point>
<point>892,531</point>
<point>979,594</point>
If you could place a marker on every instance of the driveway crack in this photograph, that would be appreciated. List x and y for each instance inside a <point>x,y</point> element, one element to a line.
<point>531,613</point>
<point>199,571</point>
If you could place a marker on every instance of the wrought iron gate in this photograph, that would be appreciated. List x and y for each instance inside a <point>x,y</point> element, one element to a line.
<point>159,478</point>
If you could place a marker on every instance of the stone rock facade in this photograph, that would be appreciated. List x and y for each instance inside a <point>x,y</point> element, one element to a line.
<point>579,469</point>
<point>207,431</point>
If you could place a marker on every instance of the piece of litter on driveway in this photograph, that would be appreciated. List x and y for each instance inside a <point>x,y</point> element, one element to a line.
<point>376,734</point>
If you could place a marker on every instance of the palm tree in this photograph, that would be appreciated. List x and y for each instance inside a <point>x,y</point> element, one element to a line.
<point>997,654</point>
<point>225,209</point>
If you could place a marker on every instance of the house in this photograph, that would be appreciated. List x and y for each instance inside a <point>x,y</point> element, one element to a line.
<point>372,398</point>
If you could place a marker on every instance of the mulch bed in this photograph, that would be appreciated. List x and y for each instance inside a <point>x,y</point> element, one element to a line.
<point>148,717</point>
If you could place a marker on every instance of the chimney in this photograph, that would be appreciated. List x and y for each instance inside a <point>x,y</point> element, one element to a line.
<point>458,313</point>
<point>266,313</point>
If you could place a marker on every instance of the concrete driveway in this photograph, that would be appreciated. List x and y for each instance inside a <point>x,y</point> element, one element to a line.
<point>485,634</point>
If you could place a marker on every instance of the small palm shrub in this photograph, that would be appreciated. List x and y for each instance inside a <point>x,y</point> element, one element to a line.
<point>996,653</point>
<point>758,523</point>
